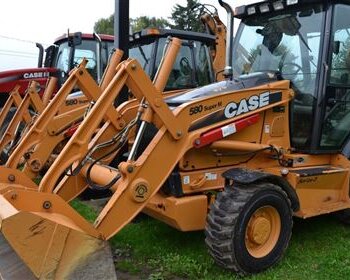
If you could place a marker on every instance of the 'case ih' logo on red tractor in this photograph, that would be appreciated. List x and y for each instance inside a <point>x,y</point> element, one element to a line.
<point>36,75</point>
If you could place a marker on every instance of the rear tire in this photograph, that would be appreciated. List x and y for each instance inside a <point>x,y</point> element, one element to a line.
<point>249,227</point>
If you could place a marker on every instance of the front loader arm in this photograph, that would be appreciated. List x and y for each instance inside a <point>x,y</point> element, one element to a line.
<point>39,130</point>
<point>71,186</point>
<point>31,98</point>
<point>47,121</point>
<point>78,144</point>
<point>14,99</point>
<point>77,147</point>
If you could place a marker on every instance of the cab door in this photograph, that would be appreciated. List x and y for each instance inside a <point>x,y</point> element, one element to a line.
<point>336,118</point>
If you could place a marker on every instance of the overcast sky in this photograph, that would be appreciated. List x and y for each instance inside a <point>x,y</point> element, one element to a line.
<point>24,22</point>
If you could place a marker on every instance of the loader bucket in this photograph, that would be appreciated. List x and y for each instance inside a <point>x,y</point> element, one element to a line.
<point>46,239</point>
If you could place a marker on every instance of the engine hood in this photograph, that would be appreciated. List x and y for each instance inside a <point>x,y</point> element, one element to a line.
<point>243,82</point>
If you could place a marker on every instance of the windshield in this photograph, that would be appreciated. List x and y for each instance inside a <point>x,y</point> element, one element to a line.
<point>287,43</point>
<point>144,54</point>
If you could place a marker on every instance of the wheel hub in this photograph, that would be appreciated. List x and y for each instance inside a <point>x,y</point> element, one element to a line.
<point>260,230</point>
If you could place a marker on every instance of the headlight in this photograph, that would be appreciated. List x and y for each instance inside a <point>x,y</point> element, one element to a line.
<point>292,2</point>
<point>251,10</point>
<point>264,8</point>
<point>137,35</point>
<point>278,5</point>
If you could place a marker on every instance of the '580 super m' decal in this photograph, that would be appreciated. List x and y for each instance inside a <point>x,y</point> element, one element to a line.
<point>234,109</point>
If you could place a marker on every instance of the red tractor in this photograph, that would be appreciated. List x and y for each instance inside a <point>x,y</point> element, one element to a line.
<point>66,52</point>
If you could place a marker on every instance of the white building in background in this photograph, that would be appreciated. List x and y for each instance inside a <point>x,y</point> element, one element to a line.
<point>15,53</point>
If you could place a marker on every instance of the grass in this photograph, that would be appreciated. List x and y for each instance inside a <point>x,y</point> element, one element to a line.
<point>87,212</point>
<point>319,249</point>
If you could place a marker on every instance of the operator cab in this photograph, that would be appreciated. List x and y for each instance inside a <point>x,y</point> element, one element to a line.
<point>69,51</point>
<point>308,43</point>
<point>193,65</point>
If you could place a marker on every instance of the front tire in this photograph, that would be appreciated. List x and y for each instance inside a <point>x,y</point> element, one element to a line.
<point>249,227</point>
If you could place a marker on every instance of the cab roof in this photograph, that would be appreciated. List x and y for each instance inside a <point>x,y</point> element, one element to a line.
<point>87,36</point>
<point>149,34</point>
<point>264,7</point>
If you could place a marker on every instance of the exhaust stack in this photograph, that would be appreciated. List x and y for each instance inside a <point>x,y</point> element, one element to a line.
<point>228,72</point>
<point>98,56</point>
<point>41,54</point>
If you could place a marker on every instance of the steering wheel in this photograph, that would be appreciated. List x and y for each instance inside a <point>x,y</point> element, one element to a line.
<point>286,69</point>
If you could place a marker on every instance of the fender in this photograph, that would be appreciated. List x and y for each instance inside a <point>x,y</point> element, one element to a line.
<point>247,176</point>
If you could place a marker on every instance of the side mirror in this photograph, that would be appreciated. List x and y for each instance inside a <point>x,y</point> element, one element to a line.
<point>75,39</point>
<point>336,47</point>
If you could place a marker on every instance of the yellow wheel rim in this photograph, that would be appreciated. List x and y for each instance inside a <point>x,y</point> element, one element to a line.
<point>263,231</point>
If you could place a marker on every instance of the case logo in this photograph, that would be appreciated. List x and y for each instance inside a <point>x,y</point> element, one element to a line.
<point>252,103</point>
<point>35,75</point>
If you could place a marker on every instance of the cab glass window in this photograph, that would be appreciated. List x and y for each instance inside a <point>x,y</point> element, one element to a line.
<point>336,123</point>
<point>192,67</point>
<point>143,54</point>
<point>287,43</point>
<point>87,49</point>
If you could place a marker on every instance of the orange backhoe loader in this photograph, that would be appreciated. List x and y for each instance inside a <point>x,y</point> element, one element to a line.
<point>238,158</point>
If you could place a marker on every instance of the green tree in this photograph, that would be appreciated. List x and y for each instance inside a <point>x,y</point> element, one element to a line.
<point>187,17</point>
<point>106,25</point>
<point>142,22</point>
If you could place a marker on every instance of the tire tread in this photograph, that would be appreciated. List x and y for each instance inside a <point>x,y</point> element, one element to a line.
<point>222,220</point>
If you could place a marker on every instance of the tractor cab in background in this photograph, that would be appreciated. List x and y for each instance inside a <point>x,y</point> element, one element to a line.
<point>68,51</point>
<point>60,58</point>
<point>193,66</point>
<point>308,43</point>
